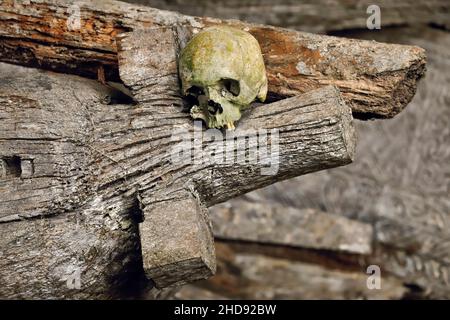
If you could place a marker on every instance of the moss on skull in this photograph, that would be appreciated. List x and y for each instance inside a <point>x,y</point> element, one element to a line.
<point>217,54</point>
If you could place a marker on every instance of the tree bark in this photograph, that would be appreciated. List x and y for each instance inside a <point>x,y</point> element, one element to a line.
<point>376,79</point>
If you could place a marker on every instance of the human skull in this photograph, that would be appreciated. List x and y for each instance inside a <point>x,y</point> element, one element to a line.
<point>222,71</point>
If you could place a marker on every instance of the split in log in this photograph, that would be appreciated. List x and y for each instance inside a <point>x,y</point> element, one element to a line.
<point>376,79</point>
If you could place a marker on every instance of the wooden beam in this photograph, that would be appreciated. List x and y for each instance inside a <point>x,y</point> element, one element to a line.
<point>254,271</point>
<point>177,242</point>
<point>268,223</point>
<point>79,169</point>
<point>377,80</point>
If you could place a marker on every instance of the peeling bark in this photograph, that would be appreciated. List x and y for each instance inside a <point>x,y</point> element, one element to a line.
<point>399,185</point>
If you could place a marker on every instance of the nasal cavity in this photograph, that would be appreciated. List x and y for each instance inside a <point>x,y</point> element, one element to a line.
<point>193,95</point>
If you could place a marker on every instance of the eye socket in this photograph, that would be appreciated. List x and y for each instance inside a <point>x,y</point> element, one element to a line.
<point>192,96</point>
<point>195,91</point>
<point>231,86</point>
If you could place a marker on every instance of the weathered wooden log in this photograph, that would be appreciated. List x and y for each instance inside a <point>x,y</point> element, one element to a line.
<point>249,270</point>
<point>317,16</point>
<point>377,80</point>
<point>411,214</point>
<point>102,158</point>
<point>79,173</point>
<point>281,225</point>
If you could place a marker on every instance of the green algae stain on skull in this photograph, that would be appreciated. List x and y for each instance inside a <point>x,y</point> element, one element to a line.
<point>222,71</point>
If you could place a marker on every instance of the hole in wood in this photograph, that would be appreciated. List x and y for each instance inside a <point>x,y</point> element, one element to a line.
<point>10,167</point>
<point>118,94</point>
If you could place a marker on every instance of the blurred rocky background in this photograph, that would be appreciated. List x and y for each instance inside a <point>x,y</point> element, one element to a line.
<point>314,236</point>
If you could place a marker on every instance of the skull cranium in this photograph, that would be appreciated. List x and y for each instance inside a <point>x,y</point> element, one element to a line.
<point>222,71</point>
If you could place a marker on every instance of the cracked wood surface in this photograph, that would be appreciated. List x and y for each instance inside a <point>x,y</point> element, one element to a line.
<point>98,167</point>
<point>151,74</point>
<point>376,79</point>
<point>125,182</point>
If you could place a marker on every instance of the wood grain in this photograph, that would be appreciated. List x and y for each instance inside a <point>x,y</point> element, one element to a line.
<point>97,168</point>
